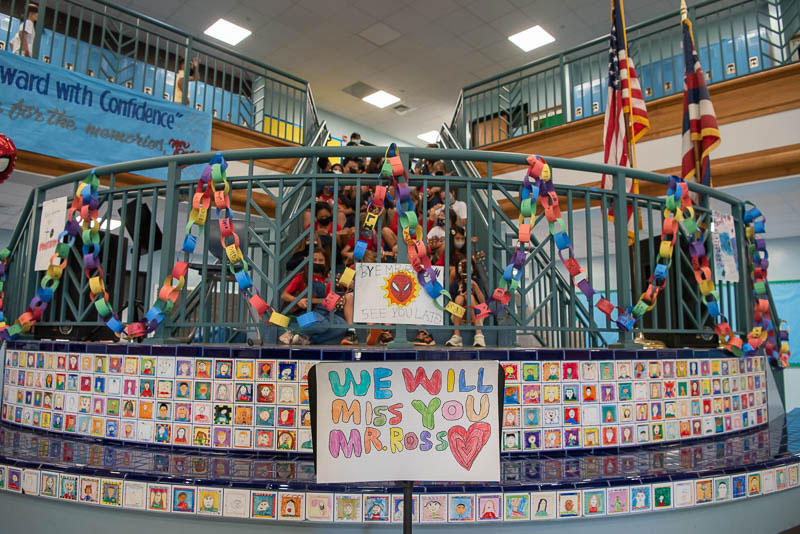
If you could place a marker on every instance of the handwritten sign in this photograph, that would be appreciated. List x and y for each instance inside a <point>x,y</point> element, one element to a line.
<point>54,216</point>
<point>422,421</point>
<point>723,239</point>
<point>65,114</point>
<point>391,293</point>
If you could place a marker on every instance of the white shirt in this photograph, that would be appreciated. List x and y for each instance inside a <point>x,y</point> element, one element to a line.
<point>16,43</point>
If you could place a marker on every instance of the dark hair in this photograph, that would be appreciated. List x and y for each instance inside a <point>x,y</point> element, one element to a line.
<point>323,163</point>
<point>355,134</point>
<point>322,205</point>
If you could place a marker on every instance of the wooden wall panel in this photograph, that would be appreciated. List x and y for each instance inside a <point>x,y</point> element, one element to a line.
<point>734,100</point>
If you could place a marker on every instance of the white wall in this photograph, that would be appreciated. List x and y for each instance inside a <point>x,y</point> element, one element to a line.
<point>339,126</point>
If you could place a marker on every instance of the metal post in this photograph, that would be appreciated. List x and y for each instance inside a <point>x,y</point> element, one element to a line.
<point>408,506</point>
<point>743,289</point>
<point>169,231</point>
<point>400,334</point>
<point>38,28</point>
<point>621,256</point>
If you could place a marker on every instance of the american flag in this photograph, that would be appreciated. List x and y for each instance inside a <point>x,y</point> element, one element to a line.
<point>700,130</point>
<point>624,97</point>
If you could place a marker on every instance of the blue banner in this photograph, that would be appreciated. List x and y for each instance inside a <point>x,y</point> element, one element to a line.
<point>60,113</point>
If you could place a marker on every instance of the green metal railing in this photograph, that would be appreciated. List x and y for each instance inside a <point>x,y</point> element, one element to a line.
<point>107,41</point>
<point>733,39</point>
<point>546,311</point>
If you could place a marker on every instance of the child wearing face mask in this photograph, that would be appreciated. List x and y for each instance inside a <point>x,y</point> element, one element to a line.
<point>329,326</point>
<point>459,287</point>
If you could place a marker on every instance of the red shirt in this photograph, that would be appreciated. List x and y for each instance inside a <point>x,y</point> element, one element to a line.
<point>372,243</point>
<point>298,284</point>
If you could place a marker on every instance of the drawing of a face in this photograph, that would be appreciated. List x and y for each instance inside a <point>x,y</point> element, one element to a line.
<point>400,288</point>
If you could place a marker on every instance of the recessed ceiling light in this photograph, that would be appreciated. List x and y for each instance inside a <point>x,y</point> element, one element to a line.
<point>380,99</point>
<point>531,38</point>
<point>227,32</point>
<point>429,137</point>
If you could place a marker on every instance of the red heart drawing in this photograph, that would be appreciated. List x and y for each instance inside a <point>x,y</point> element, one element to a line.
<point>466,444</point>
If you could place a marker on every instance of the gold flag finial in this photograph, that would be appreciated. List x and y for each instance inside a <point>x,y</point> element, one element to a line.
<point>684,11</point>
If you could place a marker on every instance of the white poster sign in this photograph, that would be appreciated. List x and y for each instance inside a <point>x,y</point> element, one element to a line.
<point>723,239</point>
<point>54,217</point>
<point>421,421</point>
<point>390,293</point>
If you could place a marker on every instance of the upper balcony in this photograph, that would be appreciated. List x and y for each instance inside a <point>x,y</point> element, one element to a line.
<point>734,39</point>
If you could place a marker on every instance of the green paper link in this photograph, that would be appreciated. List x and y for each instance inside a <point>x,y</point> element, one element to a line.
<point>62,249</point>
<point>561,224</point>
<point>102,306</point>
<point>14,329</point>
<point>2,283</point>
<point>760,288</point>
<point>444,293</point>
<point>513,287</point>
<point>189,225</point>
<point>4,254</point>
<point>86,237</point>
<point>525,207</point>
<point>232,265</point>
<point>408,219</point>
<point>672,203</point>
<point>640,309</point>
<point>217,174</point>
<point>690,225</point>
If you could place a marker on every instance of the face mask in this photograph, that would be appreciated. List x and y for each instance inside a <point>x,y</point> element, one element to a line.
<point>324,221</point>
<point>337,171</point>
<point>459,244</point>
<point>319,268</point>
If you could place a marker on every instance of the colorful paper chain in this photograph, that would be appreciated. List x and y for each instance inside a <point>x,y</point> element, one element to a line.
<point>82,220</point>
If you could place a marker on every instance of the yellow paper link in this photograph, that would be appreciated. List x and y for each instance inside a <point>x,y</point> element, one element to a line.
<point>201,216</point>
<point>665,249</point>
<point>706,287</point>
<point>347,276</point>
<point>168,282</point>
<point>96,285</point>
<point>784,346</point>
<point>370,220</point>
<point>455,309</point>
<point>55,272</point>
<point>545,176</point>
<point>407,236</point>
<point>278,319</point>
<point>750,232</point>
<point>234,253</point>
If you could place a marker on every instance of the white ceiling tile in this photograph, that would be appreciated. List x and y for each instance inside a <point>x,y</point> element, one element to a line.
<point>491,10</point>
<point>379,34</point>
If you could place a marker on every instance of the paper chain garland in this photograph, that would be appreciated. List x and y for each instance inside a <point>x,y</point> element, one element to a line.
<point>85,204</point>
<point>678,210</point>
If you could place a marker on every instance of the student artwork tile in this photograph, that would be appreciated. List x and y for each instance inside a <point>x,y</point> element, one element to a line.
<point>547,405</point>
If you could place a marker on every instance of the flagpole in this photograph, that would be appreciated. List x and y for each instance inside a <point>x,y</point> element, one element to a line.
<point>698,149</point>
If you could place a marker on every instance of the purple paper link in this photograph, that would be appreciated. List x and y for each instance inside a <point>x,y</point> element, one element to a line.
<point>697,249</point>
<point>402,192</point>
<point>784,335</point>
<point>526,182</point>
<point>772,341</point>
<point>73,228</point>
<point>761,245</point>
<point>35,302</point>
<point>206,176</point>
<point>4,334</point>
<point>2,269</point>
<point>586,288</point>
<point>94,202</point>
<point>764,264</point>
<point>90,261</point>
<point>152,326</point>
<point>519,259</point>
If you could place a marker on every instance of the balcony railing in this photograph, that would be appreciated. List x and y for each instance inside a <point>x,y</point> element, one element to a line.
<point>110,42</point>
<point>547,310</point>
<point>733,39</point>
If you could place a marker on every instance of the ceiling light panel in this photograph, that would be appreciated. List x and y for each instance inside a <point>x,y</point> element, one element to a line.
<point>531,38</point>
<point>227,32</point>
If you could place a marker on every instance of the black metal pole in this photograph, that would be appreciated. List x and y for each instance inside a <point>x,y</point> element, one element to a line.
<point>408,505</point>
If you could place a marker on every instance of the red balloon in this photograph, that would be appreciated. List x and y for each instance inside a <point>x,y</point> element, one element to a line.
<point>8,155</point>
